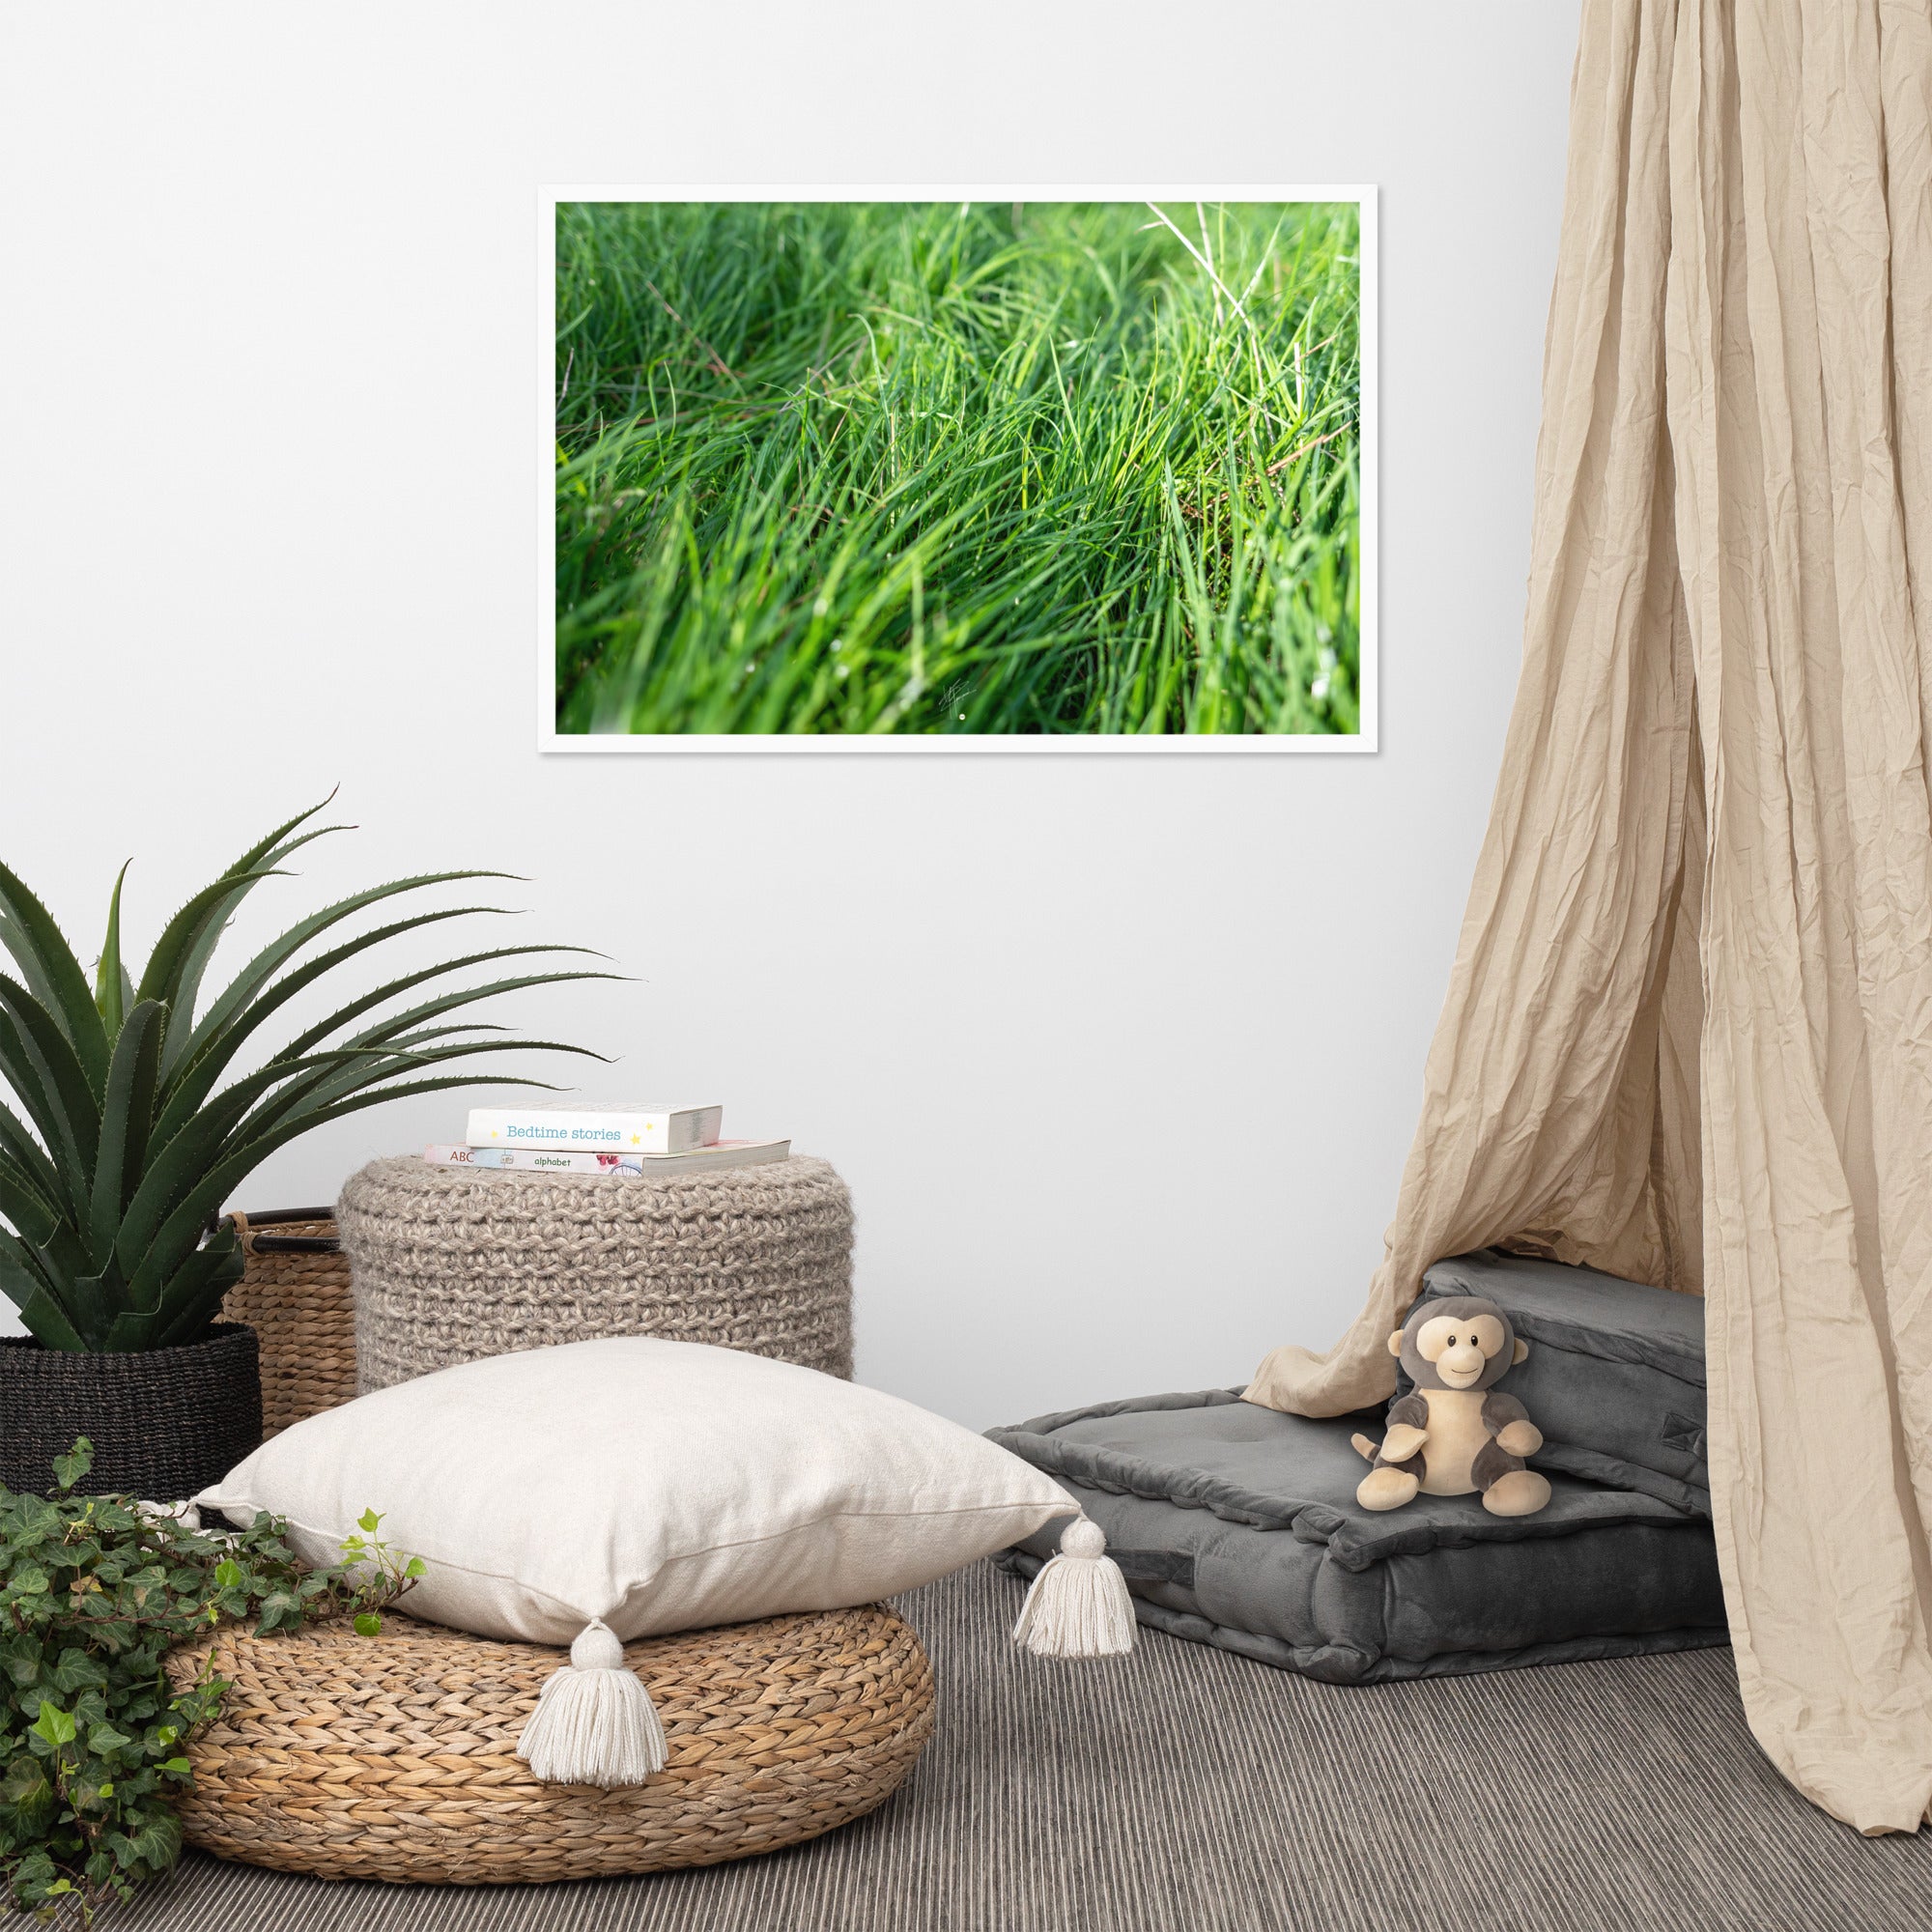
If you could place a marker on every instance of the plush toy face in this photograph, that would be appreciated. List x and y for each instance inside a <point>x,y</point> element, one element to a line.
<point>1457,1342</point>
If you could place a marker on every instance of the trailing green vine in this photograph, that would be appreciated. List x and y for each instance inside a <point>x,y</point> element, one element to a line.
<point>95,1591</point>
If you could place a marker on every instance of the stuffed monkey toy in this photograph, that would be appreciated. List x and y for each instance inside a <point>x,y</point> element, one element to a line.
<point>1456,1433</point>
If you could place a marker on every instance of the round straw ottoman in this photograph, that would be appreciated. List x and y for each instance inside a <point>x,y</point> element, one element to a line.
<point>394,1757</point>
<point>452,1263</point>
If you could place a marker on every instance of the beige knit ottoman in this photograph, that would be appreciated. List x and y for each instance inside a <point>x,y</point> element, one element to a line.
<point>394,1757</point>
<point>453,1263</point>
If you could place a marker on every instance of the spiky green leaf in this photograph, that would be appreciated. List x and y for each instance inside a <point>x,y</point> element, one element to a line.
<point>221,1036</point>
<point>178,1157</point>
<point>51,1073</point>
<point>272,957</point>
<point>34,1217</point>
<point>161,978</point>
<point>110,977</point>
<point>127,1113</point>
<point>177,1301</point>
<point>25,1283</point>
<point>265,855</point>
<point>322,1088</point>
<point>443,1002</point>
<point>48,964</point>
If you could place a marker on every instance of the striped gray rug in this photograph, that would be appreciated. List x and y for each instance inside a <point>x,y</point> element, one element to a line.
<point>1188,1791</point>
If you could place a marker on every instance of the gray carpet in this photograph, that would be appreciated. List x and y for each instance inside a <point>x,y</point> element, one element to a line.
<point>1189,1791</point>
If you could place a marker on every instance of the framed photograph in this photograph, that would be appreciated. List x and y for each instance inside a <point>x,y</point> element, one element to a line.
<point>1009,469</point>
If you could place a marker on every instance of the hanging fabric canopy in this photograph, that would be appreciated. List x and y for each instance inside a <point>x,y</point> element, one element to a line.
<point>1689,1032</point>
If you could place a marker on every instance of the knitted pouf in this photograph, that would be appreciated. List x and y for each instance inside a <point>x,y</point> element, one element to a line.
<point>453,1263</point>
<point>394,1757</point>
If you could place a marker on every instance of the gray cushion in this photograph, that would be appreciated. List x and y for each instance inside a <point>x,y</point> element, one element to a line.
<point>1236,1525</point>
<point>1615,1375</point>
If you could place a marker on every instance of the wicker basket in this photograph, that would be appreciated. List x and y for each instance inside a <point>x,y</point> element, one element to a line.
<point>295,1296</point>
<point>394,1757</point>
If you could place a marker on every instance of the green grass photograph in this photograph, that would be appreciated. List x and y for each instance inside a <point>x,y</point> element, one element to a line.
<point>887,469</point>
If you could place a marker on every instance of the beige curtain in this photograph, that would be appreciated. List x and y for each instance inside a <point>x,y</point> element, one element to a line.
<point>1689,1032</point>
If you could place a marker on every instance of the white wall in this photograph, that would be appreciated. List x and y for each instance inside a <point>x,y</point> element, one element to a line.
<point>1121,1056</point>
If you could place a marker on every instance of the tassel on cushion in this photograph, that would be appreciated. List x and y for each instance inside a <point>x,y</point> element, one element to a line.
<point>594,1722</point>
<point>1079,1604</point>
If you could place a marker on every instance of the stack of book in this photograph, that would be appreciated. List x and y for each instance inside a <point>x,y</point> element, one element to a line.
<point>602,1140</point>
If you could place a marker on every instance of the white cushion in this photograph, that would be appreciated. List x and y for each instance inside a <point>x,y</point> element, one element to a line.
<point>655,1485</point>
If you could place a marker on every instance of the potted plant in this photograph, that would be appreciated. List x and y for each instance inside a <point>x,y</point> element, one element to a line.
<point>129,1126</point>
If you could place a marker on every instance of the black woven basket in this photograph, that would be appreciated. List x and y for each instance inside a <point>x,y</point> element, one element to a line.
<point>163,1422</point>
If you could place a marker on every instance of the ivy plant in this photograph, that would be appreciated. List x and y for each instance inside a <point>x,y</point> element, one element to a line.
<point>95,1591</point>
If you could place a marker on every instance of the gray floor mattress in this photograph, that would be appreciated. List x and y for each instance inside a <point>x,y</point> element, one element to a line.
<point>1237,1526</point>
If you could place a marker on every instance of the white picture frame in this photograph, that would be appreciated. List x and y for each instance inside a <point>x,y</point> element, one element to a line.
<point>550,741</point>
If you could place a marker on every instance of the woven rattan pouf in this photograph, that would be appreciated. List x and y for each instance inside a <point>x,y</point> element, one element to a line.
<point>451,1264</point>
<point>394,1757</point>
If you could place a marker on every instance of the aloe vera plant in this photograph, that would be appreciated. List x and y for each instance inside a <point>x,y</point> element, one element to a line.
<point>124,1140</point>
